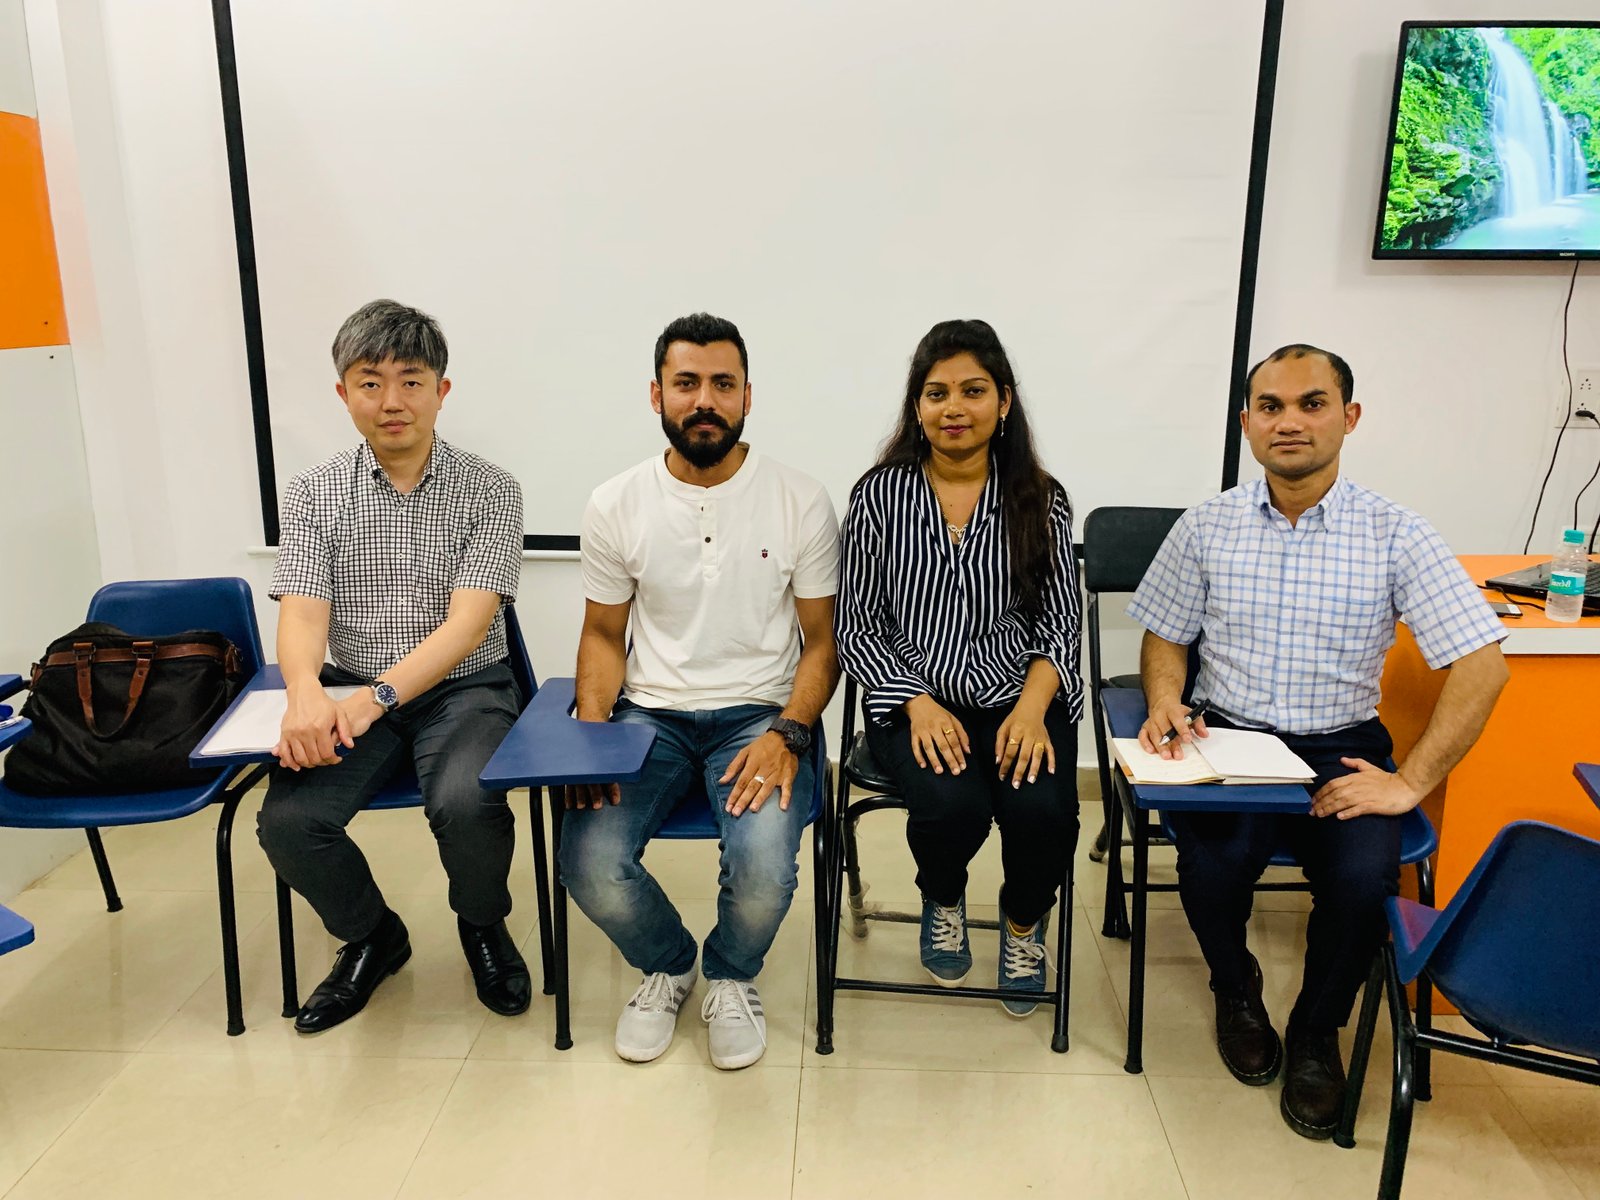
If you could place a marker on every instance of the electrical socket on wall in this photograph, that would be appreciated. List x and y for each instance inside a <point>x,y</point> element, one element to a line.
<point>1585,394</point>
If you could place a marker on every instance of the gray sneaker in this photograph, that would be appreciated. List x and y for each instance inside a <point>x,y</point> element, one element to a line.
<point>738,1028</point>
<point>946,952</point>
<point>649,1019</point>
<point>1022,964</point>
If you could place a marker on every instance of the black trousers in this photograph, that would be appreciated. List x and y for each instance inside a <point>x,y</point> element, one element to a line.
<point>448,734</point>
<point>948,816</point>
<point>1353,866</point>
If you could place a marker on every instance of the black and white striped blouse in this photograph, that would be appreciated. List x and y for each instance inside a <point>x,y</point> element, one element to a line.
<point>916,613</point>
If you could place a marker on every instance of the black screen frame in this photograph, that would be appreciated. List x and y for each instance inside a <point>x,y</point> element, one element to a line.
<point>1391,254</point>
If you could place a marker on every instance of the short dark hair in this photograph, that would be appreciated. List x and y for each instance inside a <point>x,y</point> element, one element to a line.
<point>381,330</point>
<point>701,329</point>
<point>1341,369</point>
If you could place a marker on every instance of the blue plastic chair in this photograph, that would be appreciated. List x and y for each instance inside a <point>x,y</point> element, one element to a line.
<point>159,608</point>
<point>15,931</point>
<point>1514,951</point>
<point>403,792</point>
<point>1418,841</point>
<point>690,819</point>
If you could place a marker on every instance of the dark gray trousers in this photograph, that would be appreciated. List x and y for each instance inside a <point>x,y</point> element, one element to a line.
<point>448,734</point>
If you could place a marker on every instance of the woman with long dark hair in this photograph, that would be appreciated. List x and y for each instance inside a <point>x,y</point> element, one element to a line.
<point>958,614</point>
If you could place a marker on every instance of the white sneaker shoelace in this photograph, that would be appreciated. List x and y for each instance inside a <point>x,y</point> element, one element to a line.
<point>947,928</point>
<point>656,995</point>
<point>729,1000</point>
<point>1023,957</point>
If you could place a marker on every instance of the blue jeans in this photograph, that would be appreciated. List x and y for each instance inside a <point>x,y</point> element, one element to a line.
<point>601,848</point>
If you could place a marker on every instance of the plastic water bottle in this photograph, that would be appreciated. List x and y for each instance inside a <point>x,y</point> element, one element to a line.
<point>1569,572</point>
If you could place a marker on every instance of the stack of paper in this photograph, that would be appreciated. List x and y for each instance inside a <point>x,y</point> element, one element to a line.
<point>254,726</point>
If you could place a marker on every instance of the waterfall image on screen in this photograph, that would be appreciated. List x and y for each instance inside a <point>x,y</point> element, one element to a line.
<point>1495,143</point>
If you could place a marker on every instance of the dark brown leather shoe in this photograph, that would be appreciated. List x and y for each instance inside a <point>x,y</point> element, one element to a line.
<point>1246,1040</point>
<point>1314,1084</point>
<point>358,969</point>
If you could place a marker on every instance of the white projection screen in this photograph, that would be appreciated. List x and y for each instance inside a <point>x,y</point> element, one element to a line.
<point>555,181</point>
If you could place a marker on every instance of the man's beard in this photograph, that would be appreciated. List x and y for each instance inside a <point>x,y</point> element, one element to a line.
<point>701,452</point>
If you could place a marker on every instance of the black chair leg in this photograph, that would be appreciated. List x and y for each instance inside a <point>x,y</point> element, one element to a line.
<point>541,883</point>
<point>836,849</point>
<point>559,925</point>
<point>229,916</point>
<point>826,919</point>
<point>102,864</point>
<point>1058,1036</point>
<point>1424,1058</point>
<point>852,871</point>
<point>1366,1026</point>
<point>1400,1102</point>
<point>286,963</point>
<point>1141,863</point>
<point>1115,924</point>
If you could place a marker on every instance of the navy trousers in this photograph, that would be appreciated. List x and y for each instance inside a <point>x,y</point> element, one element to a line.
<point>1353,867</point>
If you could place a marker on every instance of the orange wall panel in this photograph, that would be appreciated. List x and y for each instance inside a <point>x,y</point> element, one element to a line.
<point>31,309</point>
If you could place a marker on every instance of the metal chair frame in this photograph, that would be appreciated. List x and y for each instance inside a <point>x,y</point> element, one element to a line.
<point>1414,1040</point>
<point>838,859</point>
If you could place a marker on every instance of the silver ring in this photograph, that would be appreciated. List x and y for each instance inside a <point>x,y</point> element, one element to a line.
<point>761,778</point>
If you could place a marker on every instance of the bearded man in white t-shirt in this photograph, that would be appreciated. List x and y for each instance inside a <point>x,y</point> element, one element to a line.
<point>727,563</point>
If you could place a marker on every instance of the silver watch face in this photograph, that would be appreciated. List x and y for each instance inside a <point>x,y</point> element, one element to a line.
<point>386,696</point>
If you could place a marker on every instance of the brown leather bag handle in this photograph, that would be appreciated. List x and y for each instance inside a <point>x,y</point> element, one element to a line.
<point>83,657</point>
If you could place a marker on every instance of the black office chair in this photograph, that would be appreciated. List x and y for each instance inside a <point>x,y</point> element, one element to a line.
<point>1118,546</point>
<point>838,860</point>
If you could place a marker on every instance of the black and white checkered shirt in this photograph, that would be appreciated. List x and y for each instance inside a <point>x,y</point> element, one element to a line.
<point>388,562</point>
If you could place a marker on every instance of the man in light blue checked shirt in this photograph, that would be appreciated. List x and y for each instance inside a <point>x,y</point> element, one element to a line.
<point>1293,584</point>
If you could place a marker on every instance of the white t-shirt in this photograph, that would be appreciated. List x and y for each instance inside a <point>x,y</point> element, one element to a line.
<point>713,574</point>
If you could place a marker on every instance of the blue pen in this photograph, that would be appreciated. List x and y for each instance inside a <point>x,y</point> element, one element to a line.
<point>1196,713</point>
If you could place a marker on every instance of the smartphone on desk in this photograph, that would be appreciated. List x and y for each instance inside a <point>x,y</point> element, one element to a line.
<point>1504,608</point>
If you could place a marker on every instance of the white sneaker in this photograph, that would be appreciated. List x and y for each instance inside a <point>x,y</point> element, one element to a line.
<point>732,1009</point>
<point>649,1019</point>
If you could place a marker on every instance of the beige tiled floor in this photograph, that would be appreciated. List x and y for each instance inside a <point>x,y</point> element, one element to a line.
<point>116,1078</point>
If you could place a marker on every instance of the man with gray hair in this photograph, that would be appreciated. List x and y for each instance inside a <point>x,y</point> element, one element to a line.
<point>397,556</point>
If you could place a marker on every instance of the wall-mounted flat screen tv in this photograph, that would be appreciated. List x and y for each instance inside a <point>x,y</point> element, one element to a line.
<point>1494,143</point>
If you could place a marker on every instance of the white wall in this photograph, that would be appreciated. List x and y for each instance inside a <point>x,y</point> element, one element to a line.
<point>47,537</point>
<point>1457,365</point>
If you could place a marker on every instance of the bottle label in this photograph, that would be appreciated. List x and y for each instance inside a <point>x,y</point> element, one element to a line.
<point>1567,583</point>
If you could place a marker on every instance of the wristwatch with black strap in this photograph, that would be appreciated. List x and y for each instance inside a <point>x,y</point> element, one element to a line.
<point>796,736</point>
<point>384,696</point>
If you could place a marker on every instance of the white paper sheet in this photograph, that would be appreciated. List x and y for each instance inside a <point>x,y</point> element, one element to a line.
<point>1225,755</point>
<point>254,726</point>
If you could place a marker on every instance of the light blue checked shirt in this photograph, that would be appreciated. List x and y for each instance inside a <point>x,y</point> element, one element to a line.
<point>1296,620</point>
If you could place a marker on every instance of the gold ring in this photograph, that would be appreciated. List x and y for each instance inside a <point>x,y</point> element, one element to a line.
<point>1014,742</point>
<point>948,731</point>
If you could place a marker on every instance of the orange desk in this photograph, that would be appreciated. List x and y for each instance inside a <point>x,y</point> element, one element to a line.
<point>1548,718</point>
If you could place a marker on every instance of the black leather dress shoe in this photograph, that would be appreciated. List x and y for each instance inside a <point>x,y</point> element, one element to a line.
<point>358,969</point>
<point>1313,1084</point>
<point>1246,1040</point>
<point>497,968</point>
